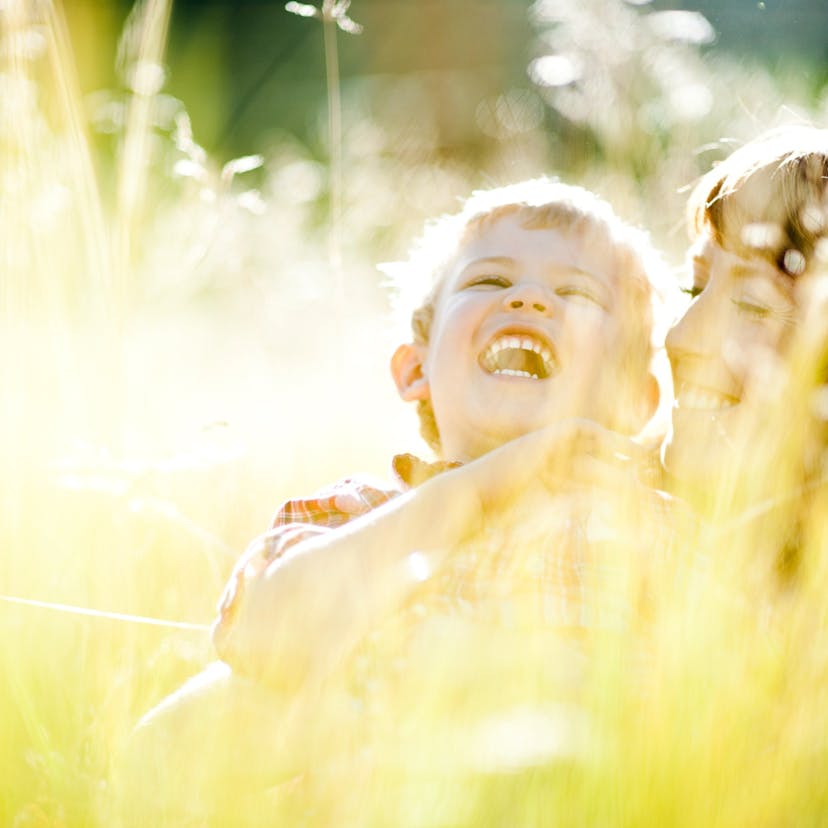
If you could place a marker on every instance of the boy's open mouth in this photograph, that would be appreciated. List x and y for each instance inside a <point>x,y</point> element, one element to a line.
<point>519,355</point>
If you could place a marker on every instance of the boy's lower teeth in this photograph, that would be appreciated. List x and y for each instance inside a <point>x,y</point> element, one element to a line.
<point>510,372</point>
<point>515,362</point>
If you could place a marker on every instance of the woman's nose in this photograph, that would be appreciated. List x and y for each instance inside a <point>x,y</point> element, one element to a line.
<point>698,332</point>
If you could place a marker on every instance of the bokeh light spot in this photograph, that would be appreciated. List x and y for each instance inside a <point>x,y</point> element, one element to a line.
<point>555,70</point>
<point>147,77</point>
<point>686,26</point>
<point>794,262</point>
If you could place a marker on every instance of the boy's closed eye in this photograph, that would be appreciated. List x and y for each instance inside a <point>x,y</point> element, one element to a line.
<point>581,293</point>
<point>569,291</point>
<point>489,280</point>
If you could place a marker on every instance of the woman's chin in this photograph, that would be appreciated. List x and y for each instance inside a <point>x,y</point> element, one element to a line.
<point>685,465</point>
<point>715,461</point>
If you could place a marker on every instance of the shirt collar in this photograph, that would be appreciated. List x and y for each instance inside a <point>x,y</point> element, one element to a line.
<point>412,471</point>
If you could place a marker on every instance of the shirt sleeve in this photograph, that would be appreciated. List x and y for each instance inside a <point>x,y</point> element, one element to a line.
<point>295,521</point>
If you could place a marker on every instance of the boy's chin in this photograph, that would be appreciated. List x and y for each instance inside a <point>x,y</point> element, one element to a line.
<point>476,440</point>
<point>494,434</point>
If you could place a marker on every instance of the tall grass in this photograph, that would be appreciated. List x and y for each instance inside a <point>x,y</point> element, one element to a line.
<point>169,374</point>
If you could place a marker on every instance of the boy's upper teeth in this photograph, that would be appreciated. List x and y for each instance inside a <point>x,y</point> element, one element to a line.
<point>519,355</point>
<point>703,399</point>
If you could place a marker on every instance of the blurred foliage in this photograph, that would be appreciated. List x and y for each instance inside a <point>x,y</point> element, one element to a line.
<point>173,347</point>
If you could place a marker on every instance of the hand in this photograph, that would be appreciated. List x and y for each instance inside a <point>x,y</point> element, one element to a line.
<point>567,455</point>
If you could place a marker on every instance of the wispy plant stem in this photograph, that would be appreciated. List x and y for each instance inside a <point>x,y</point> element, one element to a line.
<point>335,149</point>
<point>334,15</point>
<point>148,33</point>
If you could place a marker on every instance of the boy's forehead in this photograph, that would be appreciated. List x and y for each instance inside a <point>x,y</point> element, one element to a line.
<point>515,239</point>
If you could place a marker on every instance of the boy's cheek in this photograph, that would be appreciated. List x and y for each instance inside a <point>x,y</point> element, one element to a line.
<point>599,348</point>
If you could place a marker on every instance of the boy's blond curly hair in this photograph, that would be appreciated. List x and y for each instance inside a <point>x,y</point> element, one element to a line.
<point>542,203</point>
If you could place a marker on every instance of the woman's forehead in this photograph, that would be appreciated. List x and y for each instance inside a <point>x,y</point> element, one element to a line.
<point>758,200</point>
<point>707,256</point>
<point>773,213</point>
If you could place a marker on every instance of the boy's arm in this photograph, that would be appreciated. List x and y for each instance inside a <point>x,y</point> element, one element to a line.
<point>294,522</point>
<point>293,620</point>
<point>306,609</point>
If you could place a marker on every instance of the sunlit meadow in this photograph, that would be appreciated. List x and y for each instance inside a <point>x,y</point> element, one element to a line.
<point>188,339</point>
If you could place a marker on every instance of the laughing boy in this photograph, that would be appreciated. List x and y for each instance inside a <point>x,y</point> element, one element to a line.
<point>530,363</point>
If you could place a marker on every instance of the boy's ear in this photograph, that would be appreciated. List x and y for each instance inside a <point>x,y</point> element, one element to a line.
<point>652,395</point>
<point>641,407</point>
<point>649,400</point>
<point>407,370</point>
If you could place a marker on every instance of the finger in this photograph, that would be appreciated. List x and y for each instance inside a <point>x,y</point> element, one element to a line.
<point>615,476</point>
<point>586,437</point>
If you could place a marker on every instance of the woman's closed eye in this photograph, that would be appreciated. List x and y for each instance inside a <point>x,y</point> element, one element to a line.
<point>756,311</point>
<point>760,298</point>
<point>693,291</point>
<point>752,308</point>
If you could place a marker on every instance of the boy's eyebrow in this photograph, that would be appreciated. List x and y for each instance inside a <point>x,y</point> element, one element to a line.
<point>592,276</point>
<point>509,261</point>
<point>499,260</point>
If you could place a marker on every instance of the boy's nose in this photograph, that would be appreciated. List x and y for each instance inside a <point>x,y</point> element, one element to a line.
<point>528,297</point>
<point>519,303</point>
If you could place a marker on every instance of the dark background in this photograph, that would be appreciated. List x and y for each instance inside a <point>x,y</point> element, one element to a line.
<point>247,69</point>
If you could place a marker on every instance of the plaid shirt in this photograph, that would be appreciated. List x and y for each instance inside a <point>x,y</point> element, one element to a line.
<point>303,518</point>
<point>559,564</point>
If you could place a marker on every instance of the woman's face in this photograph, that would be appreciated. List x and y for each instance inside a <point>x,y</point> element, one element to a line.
<point>724,354</point>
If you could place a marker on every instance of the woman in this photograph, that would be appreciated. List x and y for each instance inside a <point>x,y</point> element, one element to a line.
<point>747,356</point>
